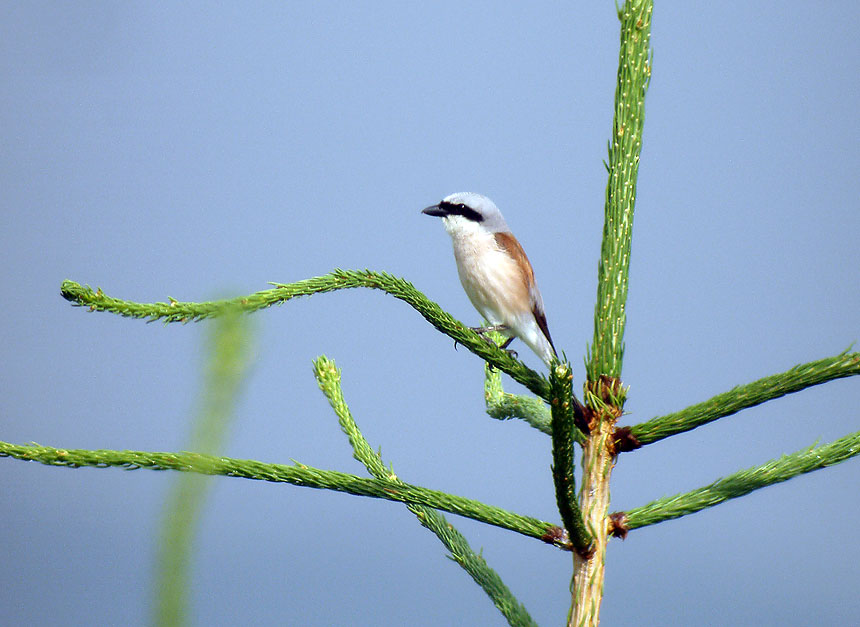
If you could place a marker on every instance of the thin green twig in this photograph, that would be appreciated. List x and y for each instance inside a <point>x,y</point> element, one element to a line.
<point>298,474</point>
<point>742,482</point>
<point>329,378</point>
<point>800,377</point>
<point>176,311</point>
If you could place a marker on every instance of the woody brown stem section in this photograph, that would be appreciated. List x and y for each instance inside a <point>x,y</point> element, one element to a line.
<point>587,583</point>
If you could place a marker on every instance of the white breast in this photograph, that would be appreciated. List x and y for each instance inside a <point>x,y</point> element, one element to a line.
<point>491,279</point>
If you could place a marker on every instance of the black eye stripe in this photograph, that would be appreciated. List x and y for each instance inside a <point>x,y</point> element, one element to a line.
<point>459,209</point>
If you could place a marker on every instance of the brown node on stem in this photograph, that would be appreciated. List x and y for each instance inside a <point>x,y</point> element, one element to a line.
<point>583,417</point>
<point>611,393</point>
<point>588,552</point>
<point>623,441</point>
<point>618,525</point>
<point>557,536</point>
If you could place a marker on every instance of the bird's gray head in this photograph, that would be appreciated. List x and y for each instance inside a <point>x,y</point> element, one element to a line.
<point>471,207</point>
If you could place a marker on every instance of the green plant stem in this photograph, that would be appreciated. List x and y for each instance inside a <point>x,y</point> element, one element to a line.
<point>298,474</point>
<point>175,311</point>
<point>634,73</point>
<point>605,393</point>
<point>502,405</point>
<point>563,436</point>
<point>800,377</point>
<point>745,481</point>
<point>226,366</point>
<point>329,378</point>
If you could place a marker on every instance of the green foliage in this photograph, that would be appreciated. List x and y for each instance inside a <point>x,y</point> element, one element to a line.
<point>298,474</point>
<point>329,377</point>
<point>800,377</point>
<point>606,395</point>
<point>634,74</point>
<point>175,311</point>
<point>502,405</point>
<point>745,481</point>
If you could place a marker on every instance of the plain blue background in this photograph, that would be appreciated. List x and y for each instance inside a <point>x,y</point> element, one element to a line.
<point>195,150</point>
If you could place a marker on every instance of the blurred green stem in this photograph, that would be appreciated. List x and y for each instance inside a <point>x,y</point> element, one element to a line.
<point>226,365</point>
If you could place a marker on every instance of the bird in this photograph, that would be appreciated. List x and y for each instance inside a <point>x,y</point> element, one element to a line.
<point>494,271</point>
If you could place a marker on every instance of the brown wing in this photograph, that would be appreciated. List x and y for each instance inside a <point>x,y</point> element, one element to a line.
<point>510,245</point>
<point>540,317</point>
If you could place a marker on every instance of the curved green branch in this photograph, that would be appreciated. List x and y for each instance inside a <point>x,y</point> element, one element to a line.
<point>176,311</point>
<point>743,482</point>
<point>329,379</point>
<point>299,474</point>
<point>800,377</point>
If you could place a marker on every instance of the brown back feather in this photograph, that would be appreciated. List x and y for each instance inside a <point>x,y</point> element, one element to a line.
<point>510,245</point>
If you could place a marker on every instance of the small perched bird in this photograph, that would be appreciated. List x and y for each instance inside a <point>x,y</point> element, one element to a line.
<point>495,271</point>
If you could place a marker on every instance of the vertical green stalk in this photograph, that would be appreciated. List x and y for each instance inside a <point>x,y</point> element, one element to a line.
<point>564,432</point>
<point>634,73</point>
<point>225,369</point>
<point>606,394</point>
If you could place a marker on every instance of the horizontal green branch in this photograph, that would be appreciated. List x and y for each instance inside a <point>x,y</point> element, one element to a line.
<point>800,377</point>
<point>176,311</point>
<point>329,379</point>
<point>743,482</point>
<point>300,475</point>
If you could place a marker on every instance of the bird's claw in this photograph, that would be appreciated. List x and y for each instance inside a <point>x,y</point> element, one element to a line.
<point>482,331</point>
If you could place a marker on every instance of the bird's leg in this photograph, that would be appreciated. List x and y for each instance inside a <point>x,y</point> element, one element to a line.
<point>484,330</point>
<point>498,328</point>
<point>509,351</point>
<point>494,327</point>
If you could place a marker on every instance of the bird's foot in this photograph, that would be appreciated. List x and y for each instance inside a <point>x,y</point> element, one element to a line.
<point>509,351</point>
<point>482,331</point>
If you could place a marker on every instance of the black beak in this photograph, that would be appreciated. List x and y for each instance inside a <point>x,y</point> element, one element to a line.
<point>436,211</point>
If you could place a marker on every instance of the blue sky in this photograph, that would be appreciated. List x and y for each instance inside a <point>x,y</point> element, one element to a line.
<point>195,150</point>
